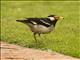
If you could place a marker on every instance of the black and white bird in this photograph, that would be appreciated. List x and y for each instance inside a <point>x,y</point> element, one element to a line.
<point>41,25</point>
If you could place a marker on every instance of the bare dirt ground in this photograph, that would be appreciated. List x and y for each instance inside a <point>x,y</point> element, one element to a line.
<point>14,52</point>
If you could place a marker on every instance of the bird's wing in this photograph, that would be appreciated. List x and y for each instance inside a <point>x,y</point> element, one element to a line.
<point>33,20</point>
<point>40,21</point>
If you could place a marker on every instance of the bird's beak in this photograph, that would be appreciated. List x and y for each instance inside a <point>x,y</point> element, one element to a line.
<point>61,17</point>
<point>58,17</point>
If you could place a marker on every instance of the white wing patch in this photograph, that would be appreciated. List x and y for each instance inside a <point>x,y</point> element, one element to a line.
<point>34,22</point>
<point>44,22</point>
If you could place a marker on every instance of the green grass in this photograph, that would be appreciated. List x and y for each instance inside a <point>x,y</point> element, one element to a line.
<point>40,0</point>
<point>65,39</point>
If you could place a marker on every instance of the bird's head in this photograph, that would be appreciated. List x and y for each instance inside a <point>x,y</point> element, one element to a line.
<point>54,17</point>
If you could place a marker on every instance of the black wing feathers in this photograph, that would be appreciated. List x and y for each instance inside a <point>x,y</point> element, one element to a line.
<point>39,21</point>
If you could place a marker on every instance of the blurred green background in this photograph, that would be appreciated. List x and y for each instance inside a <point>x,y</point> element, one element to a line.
<point>65,39</point>
<point>40,0</point>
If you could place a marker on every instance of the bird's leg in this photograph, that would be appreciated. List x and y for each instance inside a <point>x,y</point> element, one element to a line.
<point>39,35</point>
<point>35,37</point>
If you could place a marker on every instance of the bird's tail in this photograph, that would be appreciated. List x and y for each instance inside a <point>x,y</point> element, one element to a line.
<point>23,21</point>
<point>20,20</point>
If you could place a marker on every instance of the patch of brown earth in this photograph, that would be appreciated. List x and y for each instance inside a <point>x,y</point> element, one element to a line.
<point>13,52</point>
